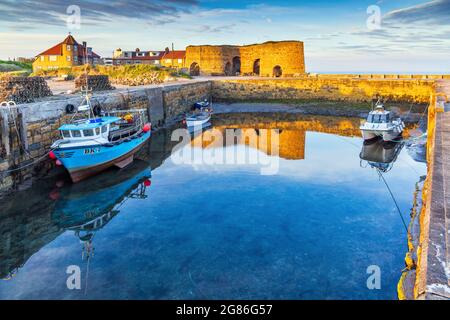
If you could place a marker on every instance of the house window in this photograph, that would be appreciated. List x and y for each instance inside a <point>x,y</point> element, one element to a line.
<point>168,60</point>
<point>42,58</point>
<point>75,58</point>
<point>69,58</point>
<point>68,48</point>
<point>180,61</point>
<point>75,48</point>
<point>52,58</point>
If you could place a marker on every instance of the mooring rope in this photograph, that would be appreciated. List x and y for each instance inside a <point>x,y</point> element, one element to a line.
<point>393,198</point>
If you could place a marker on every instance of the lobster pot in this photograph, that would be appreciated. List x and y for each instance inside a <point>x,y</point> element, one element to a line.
<point>23,89</point>
<point>93,82</point>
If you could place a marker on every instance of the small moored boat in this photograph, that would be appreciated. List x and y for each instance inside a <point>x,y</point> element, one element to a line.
<point>89,146</point>
<point>198,119</point>
<point>380,123</point>
<point>200,116</point>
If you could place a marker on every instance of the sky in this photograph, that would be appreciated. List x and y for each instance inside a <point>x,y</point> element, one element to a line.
<point>410,36</point>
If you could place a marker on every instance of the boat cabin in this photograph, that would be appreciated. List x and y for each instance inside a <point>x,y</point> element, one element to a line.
<point>111,129</point>
<point>379,117</point>
<point>89,129</point>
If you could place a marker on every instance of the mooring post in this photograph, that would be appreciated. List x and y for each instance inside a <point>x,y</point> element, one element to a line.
<point>23,128</point>
<point>5,131</point>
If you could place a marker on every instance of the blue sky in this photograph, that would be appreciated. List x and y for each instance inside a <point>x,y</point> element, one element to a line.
<point>414,34</point>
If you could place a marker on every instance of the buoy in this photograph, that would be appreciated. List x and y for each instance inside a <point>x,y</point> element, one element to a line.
<point>58,163</point>
<point>54,195</point>
<point>52,155</point>
<point>147,183</point>
<point>147,127</point>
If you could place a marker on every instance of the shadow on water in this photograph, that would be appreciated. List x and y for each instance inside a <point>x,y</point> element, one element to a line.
<point>37,218</point>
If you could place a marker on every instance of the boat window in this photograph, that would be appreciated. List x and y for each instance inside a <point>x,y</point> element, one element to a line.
<point>97,131</point>
<point>76,133</point>
<point>370,118</point>
<point>104,129</point>
<point>88,132</point>
<point>377,118</point>
<point>65,133</point>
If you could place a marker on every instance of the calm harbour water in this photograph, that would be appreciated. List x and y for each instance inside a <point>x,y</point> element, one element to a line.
<point>160,230</point>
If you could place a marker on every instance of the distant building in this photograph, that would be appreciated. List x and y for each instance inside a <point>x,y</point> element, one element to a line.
<point>65,54</point>
<point>174,59</point>
<point>137,56</point>
<point>269,59</point>
<point>107,61</point>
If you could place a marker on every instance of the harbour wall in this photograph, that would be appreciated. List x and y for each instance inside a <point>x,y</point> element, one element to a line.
<point>416,91</point>
<point>432,267</point>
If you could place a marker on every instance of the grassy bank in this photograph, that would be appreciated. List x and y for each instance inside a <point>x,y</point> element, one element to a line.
<point>129,74</point>
<point>15,68</point>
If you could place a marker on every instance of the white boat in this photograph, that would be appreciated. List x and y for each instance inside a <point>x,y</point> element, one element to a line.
<point>198,119</point>
<point>380,123</point>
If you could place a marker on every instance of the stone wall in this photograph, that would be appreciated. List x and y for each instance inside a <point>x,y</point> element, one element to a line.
<point>230,60</point>
<point>39,123</point>
<point>179,98</point>
<point>334,89</point>
<point>289,55</point>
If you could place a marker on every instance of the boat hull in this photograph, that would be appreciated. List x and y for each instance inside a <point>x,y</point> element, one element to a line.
<point>197,123</point>
<point>84,162</point>
<point>369,135</point>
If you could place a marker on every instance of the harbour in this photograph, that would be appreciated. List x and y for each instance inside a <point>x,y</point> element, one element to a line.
<point>297,246</point>
<point>205,159</point>
<point>234,114</point>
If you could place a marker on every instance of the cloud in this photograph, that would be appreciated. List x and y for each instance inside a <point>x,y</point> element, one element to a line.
<point>213,29</point>
<point>53,12</point>
<point>435,12</point>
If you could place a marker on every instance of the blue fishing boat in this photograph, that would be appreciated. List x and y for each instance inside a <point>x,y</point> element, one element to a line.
<point>89,146</point>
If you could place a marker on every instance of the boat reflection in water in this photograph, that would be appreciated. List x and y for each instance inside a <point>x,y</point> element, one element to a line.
<point>380,155</point>
<point>86,209</point>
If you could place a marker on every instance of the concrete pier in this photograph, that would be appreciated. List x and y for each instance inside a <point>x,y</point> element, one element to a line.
<point>433,266</point>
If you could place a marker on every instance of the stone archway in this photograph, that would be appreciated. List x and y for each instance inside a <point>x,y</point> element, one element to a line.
<point>194,69</point>
<point>228,69</point>
<point>236,66</point>
<point>257,67</point>
<point>277,71</point>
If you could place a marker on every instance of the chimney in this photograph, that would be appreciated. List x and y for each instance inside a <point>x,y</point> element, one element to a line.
<point>85,52</point>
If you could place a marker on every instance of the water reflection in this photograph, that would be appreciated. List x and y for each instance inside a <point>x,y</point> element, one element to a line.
<point>380,155</point>
<point>255,237</point>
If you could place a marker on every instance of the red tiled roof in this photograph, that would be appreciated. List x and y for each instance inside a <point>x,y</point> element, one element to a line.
<point>53,51</point>
<point>175,55</point>
<point>69,40</point>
